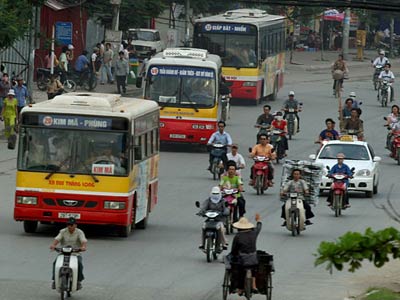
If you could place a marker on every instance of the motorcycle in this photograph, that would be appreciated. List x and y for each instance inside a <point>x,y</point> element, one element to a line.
<point>295,214</point>
<point>86,79</point>
<point>260,174</point>
<point>212,241</point>
<point>43,79</point>
<point>394,146</point>
<point>230,197</point>
<point>339,190</point>
<point>217,166</point>
<point>384,92</point>
<point>66,271</point>
<point>378,70</point>
<point>276,142</point>
<point>292,123</point>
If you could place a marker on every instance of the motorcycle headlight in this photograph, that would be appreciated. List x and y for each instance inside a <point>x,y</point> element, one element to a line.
<point>250,83</point>
<point>114,205</point>
<point>363,172</point>
<point>27,200</point>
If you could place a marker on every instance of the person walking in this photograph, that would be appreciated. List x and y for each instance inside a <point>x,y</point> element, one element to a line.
<point>9,113</point>
<point>106,74</point>
<point>121,71</point>
<point>21,93</point>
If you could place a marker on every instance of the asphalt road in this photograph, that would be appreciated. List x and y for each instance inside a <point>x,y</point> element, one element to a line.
<point>163,262</point>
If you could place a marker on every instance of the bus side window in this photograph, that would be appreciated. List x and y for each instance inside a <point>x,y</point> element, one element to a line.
<point>149,144</point>
<point>156,142</point>
<point>138,148</point>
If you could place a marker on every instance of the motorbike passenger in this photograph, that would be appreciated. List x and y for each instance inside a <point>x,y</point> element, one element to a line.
<point>339,67</point>
<point>340,168</point>
<point>348,106</point>
<point>74,237</point>
<point>54,87</point>
<point>237,158</point>
<point>264,148</point>
<point>292,103</point>
<point>299,186</point>
<point>281,124</point>
<point>354,123</point>
<point>244,251</point>
<point>264,119</point>
<point>356,103</point>
<point>233,181</point>
<point>215,202</point>
<point>219,137</point>
<point>329,133</point>
<point>391,121</point>
<point>388,75</point>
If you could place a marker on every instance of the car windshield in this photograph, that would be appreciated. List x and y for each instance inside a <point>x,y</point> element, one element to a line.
<point>73,151</point>
<point>143,36</point>
<point>351,152</point>
<point>181,86</point>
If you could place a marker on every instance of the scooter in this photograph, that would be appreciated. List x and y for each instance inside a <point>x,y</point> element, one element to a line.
<point>378,70</point>
<point>212,241</point>
<point>43,79</point>
<point>260,174</point>
<point>292,123</point>
<point>217,166</point>
<point>230,197</point>
<point>66,271</point>
<point>384,92</point>
<point>276,142</point>
<point>395,146</point>
<point>295,214</point>
<point>339,190</point>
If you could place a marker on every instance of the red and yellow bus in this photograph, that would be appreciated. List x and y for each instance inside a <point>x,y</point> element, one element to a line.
<point>185,84</point>
<point>90,156</point>
<point>251,44</point>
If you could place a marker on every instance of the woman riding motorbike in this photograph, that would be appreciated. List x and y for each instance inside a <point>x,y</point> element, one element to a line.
<point>391,120</point>
<point>281,124</point>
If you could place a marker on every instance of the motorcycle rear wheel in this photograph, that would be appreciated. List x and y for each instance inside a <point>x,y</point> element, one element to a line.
<point>226,285</point>
<point>69,86</point>
<point>268,288</point>
<point>337,204</point>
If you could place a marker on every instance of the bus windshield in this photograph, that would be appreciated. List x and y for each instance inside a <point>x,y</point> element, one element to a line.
<point>181,86</point>
<point>73,151</point>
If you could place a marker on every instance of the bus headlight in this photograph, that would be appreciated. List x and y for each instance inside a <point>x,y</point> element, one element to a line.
<point>114,205</point>
<point>27,200</point>
<point>250,83</point>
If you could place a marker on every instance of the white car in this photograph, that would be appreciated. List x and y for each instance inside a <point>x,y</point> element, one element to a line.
<point>146,41</point>
<point>358,155</point>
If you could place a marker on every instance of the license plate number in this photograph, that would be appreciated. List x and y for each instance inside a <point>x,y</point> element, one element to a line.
<point>177,136</point>
<point>69,215</point>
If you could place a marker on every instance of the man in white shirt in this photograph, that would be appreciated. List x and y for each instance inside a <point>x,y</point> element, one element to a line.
<point>388,75</point>
<point>381,60</point>
<point>237,158</point>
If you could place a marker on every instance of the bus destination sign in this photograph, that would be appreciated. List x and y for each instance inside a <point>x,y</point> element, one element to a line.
<point>226,28</point>
<point>81,122</point>
<point>181,71</point>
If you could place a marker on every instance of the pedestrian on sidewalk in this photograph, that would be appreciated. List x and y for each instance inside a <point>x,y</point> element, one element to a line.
<point>21,93</point>
<point>9,113</point>
<point>121,72</point>
<point>5,86</point>
<point>106,74</point>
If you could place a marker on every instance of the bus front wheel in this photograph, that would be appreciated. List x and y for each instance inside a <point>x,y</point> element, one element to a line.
<point>30,226</point>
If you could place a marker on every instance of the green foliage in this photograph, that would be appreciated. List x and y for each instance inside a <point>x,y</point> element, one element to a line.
<point>381,294</point>
<point>14,20</point>
<point>353,247</point>
<point>210,7</point>
<point>300,14</point>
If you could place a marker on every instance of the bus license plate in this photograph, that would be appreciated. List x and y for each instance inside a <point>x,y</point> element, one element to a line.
<point>69,215</point>
<point>177,136</point>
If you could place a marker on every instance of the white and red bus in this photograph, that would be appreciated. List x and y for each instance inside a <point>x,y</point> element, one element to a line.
<point>251,44</point>
<point>90,156</point>
<point>185,84</point>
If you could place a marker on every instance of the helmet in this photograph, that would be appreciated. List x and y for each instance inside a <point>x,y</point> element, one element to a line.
<point>215,195</point>
<point>382,52</point>
<point>278,115</point>
<point>352,95</point>
<point>291,93</point>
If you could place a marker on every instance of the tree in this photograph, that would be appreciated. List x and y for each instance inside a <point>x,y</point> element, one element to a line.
<point>15,20</point>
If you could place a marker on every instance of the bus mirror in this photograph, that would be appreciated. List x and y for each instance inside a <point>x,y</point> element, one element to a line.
<point>139,82</point>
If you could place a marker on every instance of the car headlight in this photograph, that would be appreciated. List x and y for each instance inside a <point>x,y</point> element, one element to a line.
<point>114,205</point>
<point>363,172</point>
<point>27,200</point>
<point>147,48</point>
<point>250,83</point>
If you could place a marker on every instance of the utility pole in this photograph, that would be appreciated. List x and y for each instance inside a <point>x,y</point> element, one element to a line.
<point>391,37</point>
<point>116,4</point>
<point>346,33</point>
<point>187,13</point>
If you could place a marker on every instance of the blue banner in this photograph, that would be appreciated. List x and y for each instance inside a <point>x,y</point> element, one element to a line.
<point>64,32</point>
<point>226,28</point>
<point>181,71</point>
<point>79,122</point>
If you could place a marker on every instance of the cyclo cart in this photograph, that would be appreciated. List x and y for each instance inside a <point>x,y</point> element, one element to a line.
<point>264,273</point>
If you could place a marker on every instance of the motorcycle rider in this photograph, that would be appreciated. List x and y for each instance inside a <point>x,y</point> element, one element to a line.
<point>391,121</point>
<point>354,123</point>
<point>237,158</point>
<point>340,168</point>
<point>244,250</point>
<point>388,75</point>
<point>264,148</point>
<point>233,181</point>
<point>348,106</point>
<point>74,237</point>
<point>381,60</point>
<point>220,137</point>
<point>215,203</point>
<point>292,103</point>
<point>264,119</point>
<point>356,103</point>
<point>339,65</point>
<point>329,133</point>
<point>299,186</point>
<point>281,124</point>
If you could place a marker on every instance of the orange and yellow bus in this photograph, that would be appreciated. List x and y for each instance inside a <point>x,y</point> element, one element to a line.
<point>185,84</point>
<point>90,156</point>
<point>251,44</point>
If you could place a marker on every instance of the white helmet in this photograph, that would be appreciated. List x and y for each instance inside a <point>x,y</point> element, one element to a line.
<point>352,95</point>
<point>215,195</point>
<point>382,52</point>
<point>291,93</point>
